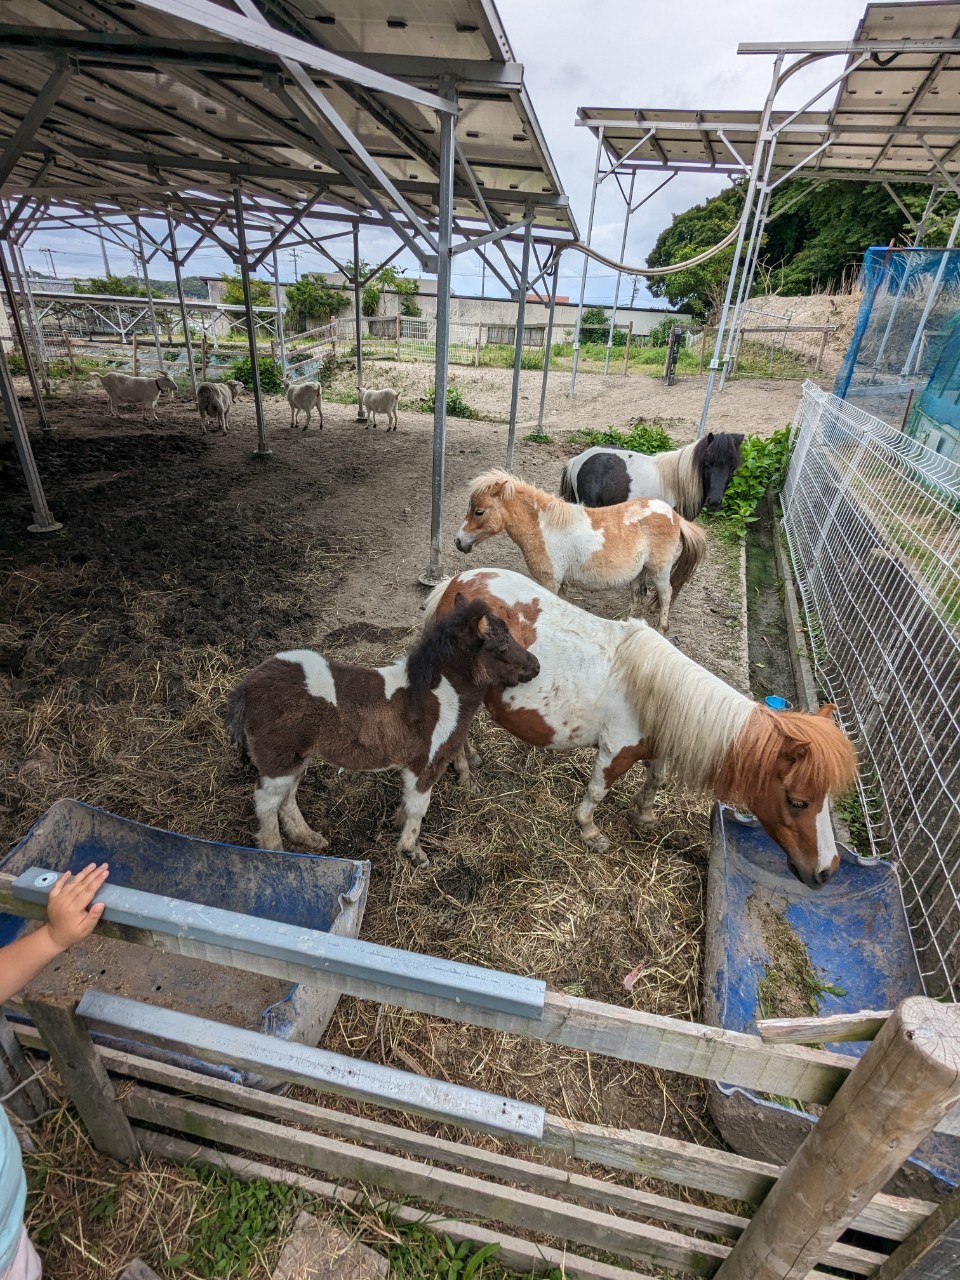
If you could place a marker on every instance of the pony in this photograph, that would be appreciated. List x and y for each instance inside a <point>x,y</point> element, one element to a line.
<point>629,692</point>
<point>413,716</point>
<point>690,478</point>
<point>634,543</point>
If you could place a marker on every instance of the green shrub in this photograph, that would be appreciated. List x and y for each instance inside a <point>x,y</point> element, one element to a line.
<point>271,375</point>
<point>659,335</point>
<point>538,437</point>
<point>457,407</point>
<point>763,468</point>
<point>643,437</point>
<point>16,364</point>
<point>594,325</point>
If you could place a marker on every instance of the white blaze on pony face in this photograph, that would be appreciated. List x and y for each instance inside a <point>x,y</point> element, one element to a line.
<point>827,854</point>
<point>448,715</point>
<point>317,675</point>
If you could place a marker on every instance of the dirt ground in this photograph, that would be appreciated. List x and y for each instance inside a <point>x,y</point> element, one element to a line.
<point>184,561</point>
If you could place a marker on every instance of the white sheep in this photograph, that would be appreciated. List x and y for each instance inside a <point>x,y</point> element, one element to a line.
<point>385,400</point>
<point>123,388</point>
<point>215,400</point>
<point>304,396</point>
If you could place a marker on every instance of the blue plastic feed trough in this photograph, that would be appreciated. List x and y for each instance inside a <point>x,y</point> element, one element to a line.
<point>312,892</point>
<point>855,934</point>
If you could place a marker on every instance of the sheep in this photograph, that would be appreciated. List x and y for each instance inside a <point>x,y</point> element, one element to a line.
<point>215,400</point>
<point>385,400</point>
<point>122,388</point>
<point>304,396</point>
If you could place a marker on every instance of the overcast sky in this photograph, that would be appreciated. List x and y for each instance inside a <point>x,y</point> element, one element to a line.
<point>624,53</point>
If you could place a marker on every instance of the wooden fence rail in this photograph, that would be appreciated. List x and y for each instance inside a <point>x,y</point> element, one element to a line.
<point>882,1106</point>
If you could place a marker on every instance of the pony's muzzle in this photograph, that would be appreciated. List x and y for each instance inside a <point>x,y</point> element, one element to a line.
<point>531,670</point>
<point>814,879</point>
<point>463,544</point>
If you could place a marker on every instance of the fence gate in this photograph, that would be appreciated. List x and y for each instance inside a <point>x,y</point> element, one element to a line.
<point>872,519</point>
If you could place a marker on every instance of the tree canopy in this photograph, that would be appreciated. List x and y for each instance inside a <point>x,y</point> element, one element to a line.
<point>806,249</point>
<point>261,294</point>
<point>311,301</point>
<point>116,286</point>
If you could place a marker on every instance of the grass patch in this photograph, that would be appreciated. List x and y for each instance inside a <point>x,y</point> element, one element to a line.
<point>643,437</point>
<point>457,407</point>
<point>418,1254</point>
<point>538,437</point>
<point>849,807</point>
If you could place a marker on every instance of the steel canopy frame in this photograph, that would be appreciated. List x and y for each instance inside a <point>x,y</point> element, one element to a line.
<point>894,119</point>
<point>85,152</point>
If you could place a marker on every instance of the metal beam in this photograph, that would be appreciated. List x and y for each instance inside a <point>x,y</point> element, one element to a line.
<point>15,146</point>
<point>256,33</point>
<point>491,236</point>
<point>518,343</point>
<point>827,48</point>
<point>262,449</point>
<point>467,72</point>
<point>17,321</point>
<point>43,521</point>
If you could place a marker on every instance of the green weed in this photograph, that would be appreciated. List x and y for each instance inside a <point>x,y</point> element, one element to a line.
<point>271,375</point>
<point>538,437</point>
<point>643,437</point>
<point>457,407</point>
<point>418,1254</point>
<point>763,467</point>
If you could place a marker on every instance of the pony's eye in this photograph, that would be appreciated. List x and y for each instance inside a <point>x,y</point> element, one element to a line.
<point>479,511</point>
<point>798,804</point>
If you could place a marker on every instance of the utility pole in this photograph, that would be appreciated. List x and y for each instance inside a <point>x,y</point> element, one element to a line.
<point>53,265</point>
<point>296,269</point>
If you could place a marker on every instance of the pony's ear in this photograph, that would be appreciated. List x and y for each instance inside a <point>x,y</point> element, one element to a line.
<point>483,626</point>
<point>827,710</point>
<point>710,438</point>
<point>459,600</point>
<point>795,751</point>
<point>738,436</point>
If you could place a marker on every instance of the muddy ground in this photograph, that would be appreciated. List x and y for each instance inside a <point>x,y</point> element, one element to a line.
<point>184,560</point>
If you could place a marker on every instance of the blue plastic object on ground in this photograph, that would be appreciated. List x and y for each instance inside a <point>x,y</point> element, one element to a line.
<point>856,936</point>
<point>306,890</point>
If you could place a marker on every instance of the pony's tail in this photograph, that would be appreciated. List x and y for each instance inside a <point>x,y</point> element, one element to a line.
<point>693,548</point>
<point>567,491</point>
<point>433,601</point>
<point>235,716</point>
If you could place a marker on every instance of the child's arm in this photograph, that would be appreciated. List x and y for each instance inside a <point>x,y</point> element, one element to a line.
<point>70,918</point>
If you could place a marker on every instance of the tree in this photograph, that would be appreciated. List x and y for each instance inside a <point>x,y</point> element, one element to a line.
<point>116,286</point>
<point>386,278</point>
<point>697,289</point>
<point>261,293</point>
<point>311,301</point>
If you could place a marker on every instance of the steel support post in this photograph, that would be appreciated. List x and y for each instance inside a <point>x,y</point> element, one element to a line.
<point>357,319</point>
<point>279,304</point>
<point>22,339</point>
<point>548,340</point>
<point>43,521</point>
<point>146,280</point>
<point>586,263</point>
<point>738,248</point>
<point>183,306</point>
<point>29,310</point>
<point>262,450</point>
<point>518,344</point>
<point>444,273</point>
<point>616,291</point>
<point>746,275</point>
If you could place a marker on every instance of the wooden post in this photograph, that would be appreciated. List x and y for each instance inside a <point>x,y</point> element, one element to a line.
<point>903,1086</point>
<point>931,1251</point>
<point>626,349</point>
<point>823,347</point>
<point>398,333</point>
<point>73,364</point>
<point>476,358</point>
<point>85,1078</point>
<point>203,355</point>
<point>136,361</point>
<point>13,1062</point>
<point>703,347</point>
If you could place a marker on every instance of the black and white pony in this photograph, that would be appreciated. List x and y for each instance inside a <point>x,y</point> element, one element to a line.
<point>690,478</point>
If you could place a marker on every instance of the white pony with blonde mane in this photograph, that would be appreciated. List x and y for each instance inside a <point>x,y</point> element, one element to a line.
<point>629,692</point>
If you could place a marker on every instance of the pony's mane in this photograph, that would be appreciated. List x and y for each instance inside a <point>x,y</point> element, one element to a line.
<point>684,468</point>
<point>715,737</point>
<point>556,513</point>
<point>438,643</point>
<point>691,717</point>
<point>826,761</point>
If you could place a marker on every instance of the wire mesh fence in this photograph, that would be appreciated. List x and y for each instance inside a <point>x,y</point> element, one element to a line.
<point>872,519</point>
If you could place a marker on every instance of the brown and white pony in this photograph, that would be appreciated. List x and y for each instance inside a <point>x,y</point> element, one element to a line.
<point>621,687</point>
<point>632,544</point>
<point>690,478</point>
<point>413,716</point>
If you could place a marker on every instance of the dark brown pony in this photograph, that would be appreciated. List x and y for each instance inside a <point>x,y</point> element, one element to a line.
<point>413,716</point>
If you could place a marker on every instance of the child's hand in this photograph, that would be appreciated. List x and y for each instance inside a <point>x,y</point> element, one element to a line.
<point>70,918</point>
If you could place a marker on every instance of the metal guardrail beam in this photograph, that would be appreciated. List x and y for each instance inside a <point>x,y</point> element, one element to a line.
<point>326,954</point>
<point>289,1061</point>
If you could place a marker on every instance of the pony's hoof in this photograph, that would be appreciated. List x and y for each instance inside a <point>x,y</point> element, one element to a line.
<point>472,787</point>
<point>416,856</point>
<point>314,840</point>
<point>646,817</point>
<point>596,843</point>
